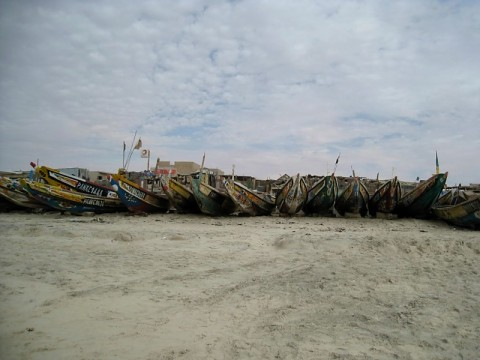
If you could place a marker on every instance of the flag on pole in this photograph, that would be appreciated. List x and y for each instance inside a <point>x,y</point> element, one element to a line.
<point>139,144</point>
<point>145,153</point>
<point>336,163</point>
<point>124,146</point>
<point>437,167</point>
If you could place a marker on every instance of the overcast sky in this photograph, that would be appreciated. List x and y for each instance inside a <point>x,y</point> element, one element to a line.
<point>273,87</point>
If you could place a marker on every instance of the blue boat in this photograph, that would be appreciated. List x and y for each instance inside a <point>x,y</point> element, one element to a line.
<point>136,198</point>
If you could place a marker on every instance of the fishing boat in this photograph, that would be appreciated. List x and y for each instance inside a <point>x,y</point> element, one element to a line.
<point>136,198</point>
<point>58,178</point>
<point>385,198</point>
<point>292,196</point>
<point>321,196</point>
<point>68,200</point>
<point>417,202</point>
<point>180,195</point>
<point>451,196</point>
<point>354,199</point>
<point>13,192</point>
<point>249,201</point>
<point>464,212</point>
<point>7,205</point>
<point>211,200</point>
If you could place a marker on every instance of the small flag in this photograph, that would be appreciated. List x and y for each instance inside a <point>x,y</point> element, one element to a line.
<point>437,167</point>
<point>139,144</point>
<point>336,162</point>
<point>145,153</point>
<point>124,146</point>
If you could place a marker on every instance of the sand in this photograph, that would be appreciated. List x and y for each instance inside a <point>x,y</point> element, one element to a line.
<point>170,286</point>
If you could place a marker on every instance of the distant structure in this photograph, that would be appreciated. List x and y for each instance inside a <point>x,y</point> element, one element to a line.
<point>179,168</point>
<point>78,172</point>
<point>175,168</point>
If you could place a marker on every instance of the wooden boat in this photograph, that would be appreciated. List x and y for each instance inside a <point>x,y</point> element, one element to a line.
<point>68,200</point>
<point>7,205</point>
<point>417,202</point>
<point>385,198</point>
<point>136,198</point>
<point>291,197</point>
<point>210,200</point>
<point>451,197</point>
<point>58,178</point>
<point>465,212</point>
<point>354,199</point>
<point>321,196</point>
<point>181,196</point>
<point>13,192</point>
<point>249,201</point>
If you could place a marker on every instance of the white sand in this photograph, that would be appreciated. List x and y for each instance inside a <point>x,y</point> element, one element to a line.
<point>172,286</point>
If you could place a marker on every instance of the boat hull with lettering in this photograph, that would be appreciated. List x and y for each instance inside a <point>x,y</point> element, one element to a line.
<point>58,178</point>
<point>68,200</point>
<point>136,198</point>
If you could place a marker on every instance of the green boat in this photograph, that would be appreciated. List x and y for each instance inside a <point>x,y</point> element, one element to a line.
<point>211,200</point>
<point>465,213</point>
<point>417,202</point>
<point>321,196</point>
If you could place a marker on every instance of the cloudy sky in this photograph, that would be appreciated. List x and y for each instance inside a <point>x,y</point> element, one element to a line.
<point>273,86</point>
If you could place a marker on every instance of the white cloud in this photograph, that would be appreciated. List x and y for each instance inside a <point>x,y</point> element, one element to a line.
<point>273,87</point>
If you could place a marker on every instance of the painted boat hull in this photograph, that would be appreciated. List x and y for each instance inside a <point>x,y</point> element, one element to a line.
<point>249,202</point>
<point>68,200</point>
<point>180,195</point>
<point>211,201</point>
<point>417,203</point>
<point>465,213</point>
<point>292,196</point>
<point>57,178</point>
<point>354,199</point>
<point>385,199</point>
<point>137,199</point>
<point>321,196</point>
<point>14,193</point>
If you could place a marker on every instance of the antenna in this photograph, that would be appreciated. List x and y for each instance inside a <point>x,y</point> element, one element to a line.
<point>130,151</point>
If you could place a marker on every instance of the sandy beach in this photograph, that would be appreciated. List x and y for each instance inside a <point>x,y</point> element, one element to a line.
<point>170,286</point>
